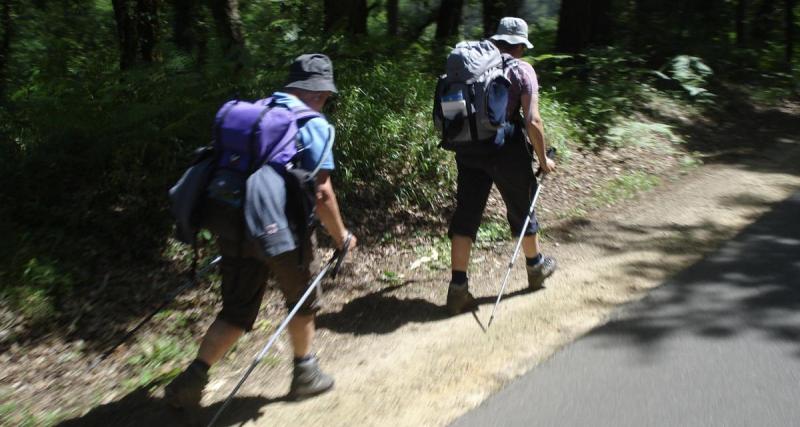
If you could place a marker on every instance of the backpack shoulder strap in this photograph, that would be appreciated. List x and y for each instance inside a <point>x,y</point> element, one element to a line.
<point>254,134</point>
<point>509,62</point>
<point>303,115</point>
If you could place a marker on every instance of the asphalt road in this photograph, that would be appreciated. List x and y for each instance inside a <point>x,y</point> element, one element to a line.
<point>717,345</point>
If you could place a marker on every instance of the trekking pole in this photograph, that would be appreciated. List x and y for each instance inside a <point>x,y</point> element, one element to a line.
<point>336,263</point>
<point>171,296</point>
<point>550,152</point>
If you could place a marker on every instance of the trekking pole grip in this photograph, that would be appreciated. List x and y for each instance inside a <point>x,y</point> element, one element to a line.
<point>550,153</point>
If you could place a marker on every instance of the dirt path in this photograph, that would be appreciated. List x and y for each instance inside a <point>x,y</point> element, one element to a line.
<point>397,358</point>
<point>427,369</point>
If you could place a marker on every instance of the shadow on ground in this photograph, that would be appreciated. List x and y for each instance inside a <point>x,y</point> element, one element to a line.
<point>735,131</point>
<point>750,285</point>
<point>379,313</point>
<point>139,408</point>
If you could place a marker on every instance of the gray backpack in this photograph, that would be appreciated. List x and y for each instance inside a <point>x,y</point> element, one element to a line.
<point>472,97</point>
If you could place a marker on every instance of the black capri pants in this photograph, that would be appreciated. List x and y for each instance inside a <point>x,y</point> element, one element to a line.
<point>511,169</point>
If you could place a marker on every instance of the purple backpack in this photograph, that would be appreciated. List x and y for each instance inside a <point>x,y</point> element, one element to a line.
<point>248,136</point>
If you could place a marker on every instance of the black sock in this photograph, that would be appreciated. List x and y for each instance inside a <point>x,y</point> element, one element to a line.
<point>303,359</point>
<point>459,277</point>
<point>535,260</point>
<point>199,364</point>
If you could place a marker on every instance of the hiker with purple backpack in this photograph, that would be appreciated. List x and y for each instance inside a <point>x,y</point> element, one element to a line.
<point>269,175</point>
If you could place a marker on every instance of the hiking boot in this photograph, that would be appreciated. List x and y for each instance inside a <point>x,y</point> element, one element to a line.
<point>539,272</point>
<point>186,390</point>
<point>308,380</point>
<point>459,300</point>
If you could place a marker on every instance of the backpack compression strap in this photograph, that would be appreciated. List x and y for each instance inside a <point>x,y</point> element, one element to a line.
<point>255,132</point>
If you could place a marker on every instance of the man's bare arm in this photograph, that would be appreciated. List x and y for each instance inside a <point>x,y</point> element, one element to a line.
<point>535,129</point>
<point>328,210</point>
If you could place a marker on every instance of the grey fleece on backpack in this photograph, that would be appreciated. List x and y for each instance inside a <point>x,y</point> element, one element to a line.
<point>265,212</point>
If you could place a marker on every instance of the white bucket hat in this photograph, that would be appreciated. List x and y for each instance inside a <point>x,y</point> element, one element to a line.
<point>513,31</point>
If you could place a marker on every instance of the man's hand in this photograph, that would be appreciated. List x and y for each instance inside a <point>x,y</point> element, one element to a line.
<point>353,241</point>
<point>547,166</point>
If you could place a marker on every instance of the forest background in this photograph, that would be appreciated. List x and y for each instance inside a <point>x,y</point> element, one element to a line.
<point>102,103</point>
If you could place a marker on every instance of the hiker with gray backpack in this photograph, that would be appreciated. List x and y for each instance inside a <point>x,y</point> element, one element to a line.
<point>268,177</point>
<point>486,108</point>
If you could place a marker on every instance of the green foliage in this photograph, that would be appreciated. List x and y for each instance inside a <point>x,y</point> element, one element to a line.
<point>387,148</point>
<point>37,290</point>
<point>592,88</point>
<point>562,130</point>
<point>88,151</point>
<point>491,232</point>
<point>157,361</point>
<point>633,132</point>
<point>20,415</point>
<point>690,74</point>
<point>622,188</point>
<point>433,253</point>
<point>391,277</point>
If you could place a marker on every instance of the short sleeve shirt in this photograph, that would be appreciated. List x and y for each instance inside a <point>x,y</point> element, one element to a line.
<point>523,82</point>
<point>316,136</point>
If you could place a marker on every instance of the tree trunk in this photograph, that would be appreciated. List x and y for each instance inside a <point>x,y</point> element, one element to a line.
<point>346,16</point>
<point>582,23</point>
<point>184,29</point>
<point>789,18</point>
<point>126,32</point>
<point>602,26</point>
<point>147,28</point>
<point>448,19</point>
<point>392,18</point>
<point>574,23</point>
<point>414,32</point>
<point>358,19</point>
<point>741,29</point>
<point>494,10</point>
<point>229,27</point>
<point>764,21</point>
<point>335,16</point>
<point>5,44</point>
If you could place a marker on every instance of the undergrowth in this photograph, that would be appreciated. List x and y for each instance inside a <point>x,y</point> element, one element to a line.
<point>105,149</point>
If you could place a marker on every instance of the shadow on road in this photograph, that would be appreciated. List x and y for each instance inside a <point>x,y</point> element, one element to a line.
<point>750,285</point>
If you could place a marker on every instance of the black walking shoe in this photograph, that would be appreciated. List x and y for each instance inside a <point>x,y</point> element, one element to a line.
<point>308,380</point>
<point>459,299</point>
<point>186,390</point>
<point>539,272</point>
